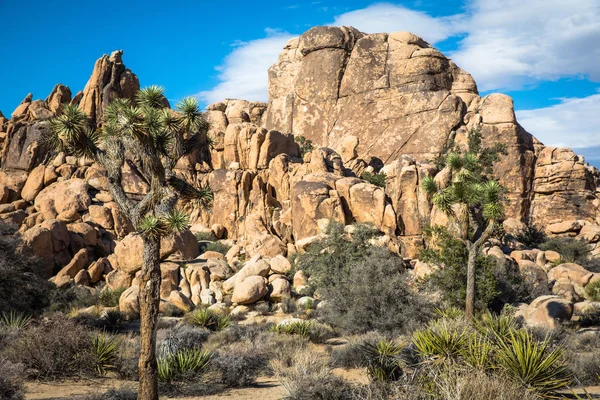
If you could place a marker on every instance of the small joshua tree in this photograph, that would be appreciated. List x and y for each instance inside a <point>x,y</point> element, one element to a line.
<point>473,199</point>
<point>154,138</point>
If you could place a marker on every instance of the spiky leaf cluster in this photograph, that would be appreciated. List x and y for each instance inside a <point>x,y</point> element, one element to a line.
<point>470,185</point>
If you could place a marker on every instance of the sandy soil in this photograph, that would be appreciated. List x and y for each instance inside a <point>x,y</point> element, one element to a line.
<point>266,389</point>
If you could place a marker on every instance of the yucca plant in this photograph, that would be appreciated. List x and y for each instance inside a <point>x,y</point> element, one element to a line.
<point>384,361</point>
<point>150,137</point>
<point>301,328</point>
<point>495,327</point>
<point>208,319</point>
<point>223,321</point>
<point>166,371</point>
<point>441,342</point>
<point>110,297</point>
<point>449,313</point>
<point>105,352</point>
<point>533,364</point>
<point>191,360</point>
<point>14,321</point>
<point>478,352</point>
<point>113,319</point>
<point>473,199</point>
<point>592,290</point>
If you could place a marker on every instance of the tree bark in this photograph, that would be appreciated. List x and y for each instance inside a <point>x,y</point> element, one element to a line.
<point>473,253</point>
<point>149,302</point>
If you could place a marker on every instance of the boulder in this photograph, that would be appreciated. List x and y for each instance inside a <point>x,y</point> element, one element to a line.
<point>102,216</point>
<point>180,301</point>
<point>129,302</point>
<point>250,290</point>
<point>63,196</point>
<point>34,184</point>
<point>79,262</point>
<point>280,265</point>
<point>548,312</point>
<point>279,289</point>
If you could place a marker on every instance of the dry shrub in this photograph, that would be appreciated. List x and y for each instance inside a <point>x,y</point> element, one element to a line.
<point>583,357</point>
<point>308,377</point>
<point>57,348</point>
<point>126,363</point>
<point>240,364</point>
<point>11,380</point>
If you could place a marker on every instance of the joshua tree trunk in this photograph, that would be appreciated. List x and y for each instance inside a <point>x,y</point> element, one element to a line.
<point>473,253</point>
<point>149,302</point>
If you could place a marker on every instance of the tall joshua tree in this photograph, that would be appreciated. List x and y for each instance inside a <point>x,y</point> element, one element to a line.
<point>473,199</point>
<point>154,138</point>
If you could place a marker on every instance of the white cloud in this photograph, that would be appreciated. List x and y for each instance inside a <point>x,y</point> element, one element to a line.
<point>574,122</point>
<point>512,43</point>
<point>243,74</point>
<point>386,18</point>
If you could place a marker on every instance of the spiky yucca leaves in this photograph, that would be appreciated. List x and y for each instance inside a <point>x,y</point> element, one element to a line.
<point>14,321</point>
<point>153,227</point>
<point>533,364</point>
<point>441,341</point>
<point>384,360</point>
<point>105,352</point>
<point>177,221</point>
<point>496,327</point>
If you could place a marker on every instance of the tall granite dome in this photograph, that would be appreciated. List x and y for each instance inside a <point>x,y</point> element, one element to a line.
<point>399,96</point>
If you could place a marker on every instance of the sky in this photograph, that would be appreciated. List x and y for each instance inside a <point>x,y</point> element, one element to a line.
<point>543,53</point>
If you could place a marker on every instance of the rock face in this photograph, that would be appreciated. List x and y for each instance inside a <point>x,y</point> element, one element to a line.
<point>110,80</point>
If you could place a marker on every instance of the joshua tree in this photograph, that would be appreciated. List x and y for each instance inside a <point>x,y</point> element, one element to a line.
<point>473,199</point>
<point>154,138</point>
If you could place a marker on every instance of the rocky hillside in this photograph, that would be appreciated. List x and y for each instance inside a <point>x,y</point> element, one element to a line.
<point>375,103</point>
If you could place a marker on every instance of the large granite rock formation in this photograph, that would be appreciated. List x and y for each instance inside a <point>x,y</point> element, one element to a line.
<point>401,97</point>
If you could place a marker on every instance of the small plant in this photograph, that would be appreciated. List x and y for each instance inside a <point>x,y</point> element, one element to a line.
<point>374,179</point>
<point>496,326</point>
<point>11,381</point>
<point>478,352</point>
<point>208,319</point>
<point>306,145</point>
<point>105,352</point>
<point>240,364</point>
<point>110,297</point>
<point>301,328</point>
<point>112,319</point>
<point>384,360</point>
<point>184,364</point>
<point>533,364</point>
<point>592,290</point>
<point>440,341</point>
<point>14,321</point>
<point>219,247</point>
<point>205,236</point>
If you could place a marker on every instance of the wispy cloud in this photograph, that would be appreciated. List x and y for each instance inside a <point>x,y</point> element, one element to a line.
<point>243,74</point>
<point>574,122</point>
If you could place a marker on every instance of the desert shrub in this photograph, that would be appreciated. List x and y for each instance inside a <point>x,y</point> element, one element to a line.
<point>22,289</point>
<point>495,284</point>
<point>351,355</point>
<point>205,236</point>
<point>54,349</point>
<point>454,383</point>
<point>182,337</point>
<point>110,297</point>
<point>288,305</point>
<point>573,250</point>
<point>309,377</point>
<point>582,352</point>
<point>113,394</point>
<point>364,286</point>
<point>208,319</point>
<point>11,380</point>
<point>73,297</point>
<point>219,247</point>
<point>592,289</point>
<point>263,308</point>
<point>306,145</point>
<point>442,340</point>
<point>375,179</point>
<point>532,236</point>
<point>105,350</point>
<point>240,364</point>
<point>126,362</point>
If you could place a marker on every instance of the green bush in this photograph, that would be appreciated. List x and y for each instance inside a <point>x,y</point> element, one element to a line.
<point>219,247</point>
<point>495,285</point>
<point>73,297</point>
<point>22,288</point>
<point>110,297</point>
<point>592,289</point>
<point>11,381</point>
<point>532,237</point>
<point>375,179</point>
<point>306,145</point>
<point>205,236</point>
<point>364,287</point>
<point>572,250</point>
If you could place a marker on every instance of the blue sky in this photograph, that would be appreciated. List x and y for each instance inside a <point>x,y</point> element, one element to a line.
<point>544,53</point>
